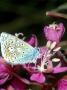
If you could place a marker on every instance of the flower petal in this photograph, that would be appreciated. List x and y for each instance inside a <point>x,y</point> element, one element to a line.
<point>60,69</point>
<point>18,85</point>
<point>62,84</point>
<point>5,72</point>
<point>38,77</point>
<point>33,41</point>
<point>54,32</point>
<point>3,78</point>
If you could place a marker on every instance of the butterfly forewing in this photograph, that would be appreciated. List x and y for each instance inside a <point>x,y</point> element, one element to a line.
<point>17,51</point>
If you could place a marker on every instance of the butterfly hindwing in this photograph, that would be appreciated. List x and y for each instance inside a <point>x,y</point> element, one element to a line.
<point>17,51</point>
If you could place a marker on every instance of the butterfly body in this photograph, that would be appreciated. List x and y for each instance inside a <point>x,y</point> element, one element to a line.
<point>16,51</point>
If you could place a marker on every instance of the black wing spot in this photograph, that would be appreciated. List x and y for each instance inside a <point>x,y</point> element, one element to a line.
<point>23,52</point>
<point>14,53</point>
<point>15,57</point>
<point>11,41</point>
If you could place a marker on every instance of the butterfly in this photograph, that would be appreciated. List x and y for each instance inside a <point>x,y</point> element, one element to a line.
<point>16,51</point>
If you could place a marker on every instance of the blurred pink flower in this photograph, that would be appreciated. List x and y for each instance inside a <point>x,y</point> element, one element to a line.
<point>62,84</point>
<point>8,77</point>
<point>18,84</point>
<point>54,32</point>
<point>10,87</point>
<point>5,72</point>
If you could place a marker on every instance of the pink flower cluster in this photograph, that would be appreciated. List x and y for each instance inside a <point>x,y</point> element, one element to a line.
<point>44,67</point>
<point>54,32</point>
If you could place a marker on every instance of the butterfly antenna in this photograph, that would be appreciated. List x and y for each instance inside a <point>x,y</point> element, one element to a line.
<point>18,34</point>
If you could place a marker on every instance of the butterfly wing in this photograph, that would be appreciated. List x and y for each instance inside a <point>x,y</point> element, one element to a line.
<point>16,51</point>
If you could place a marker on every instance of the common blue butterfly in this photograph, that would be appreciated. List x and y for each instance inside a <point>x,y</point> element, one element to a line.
<point>16,51</point>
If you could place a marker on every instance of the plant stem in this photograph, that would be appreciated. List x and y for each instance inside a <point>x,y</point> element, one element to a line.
<point>56,14</point>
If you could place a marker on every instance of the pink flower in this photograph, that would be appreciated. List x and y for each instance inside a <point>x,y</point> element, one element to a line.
<point>59,69</point>
<point>5,72</point>
<point>38,77</point>
<point>18,84</point>
<point>33,40</point>
<point>8,77</point>
<point>62,84</point>
<point>54,32</point>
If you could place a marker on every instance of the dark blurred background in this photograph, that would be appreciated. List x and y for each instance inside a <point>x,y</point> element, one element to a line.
<point>29,16</point>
